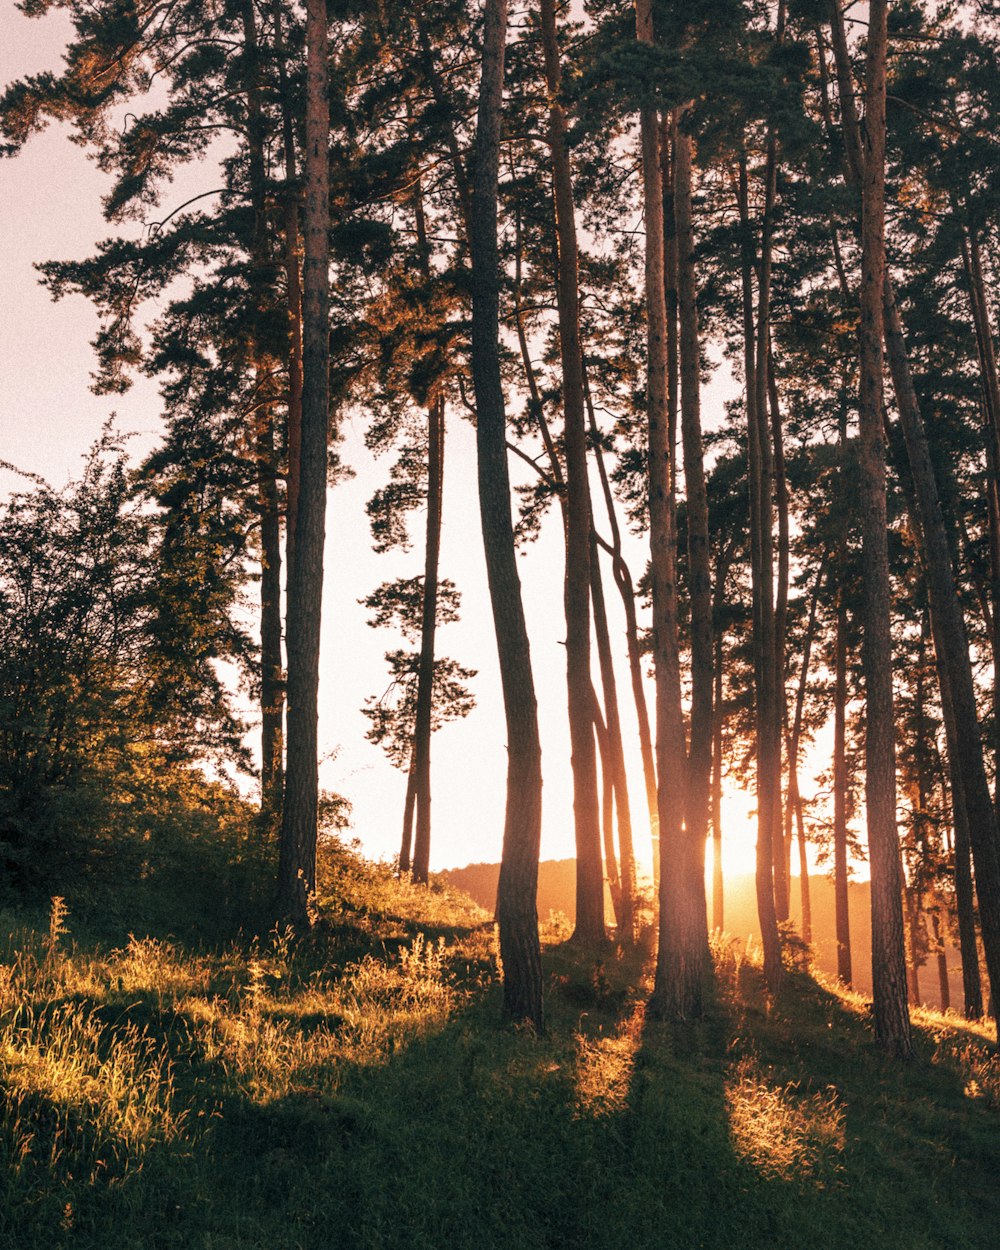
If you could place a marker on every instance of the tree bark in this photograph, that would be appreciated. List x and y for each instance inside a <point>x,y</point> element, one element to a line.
<point>699,767</point>
<point>768,746</point>
<point>589,878</point>
<point>615,751</point>
<point>680,962</point>
<point>516,896</point>
<point>892,1022</point>
<point>428,627</point>
<point>297,859</point>
<point>272,686</point>
<point>840,878</point>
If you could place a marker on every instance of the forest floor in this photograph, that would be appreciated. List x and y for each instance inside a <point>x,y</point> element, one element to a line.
<point>359,1089</point>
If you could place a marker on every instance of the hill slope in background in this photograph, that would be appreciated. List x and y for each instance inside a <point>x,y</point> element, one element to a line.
<point>557,893</point>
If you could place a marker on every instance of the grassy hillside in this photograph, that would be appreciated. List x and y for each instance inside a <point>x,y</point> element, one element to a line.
<point>358,1089</point>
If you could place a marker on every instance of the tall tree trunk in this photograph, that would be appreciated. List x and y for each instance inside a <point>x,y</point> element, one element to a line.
<point>782,873</point>
<point>840,879</point>
<point>699,770</point>
<point>626,589</point>
<point>680,962</point>
<point>718,878</point>
<point>991,437</point>
<point>608,816</point>
<point>428,626</point>
<point>615,752</point>
<point>768,746</point>
<point>516,895</point>
<point>892,1022</point>
<point>297,860</point>
<point>293,297</point>
<point>793,807</point>
<point>589,878</point>
<point>272,688</point>
<point>941,957</point>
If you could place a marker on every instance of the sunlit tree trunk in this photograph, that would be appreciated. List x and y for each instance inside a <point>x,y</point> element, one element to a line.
<point>297,861</point>
<point>516,896</point>
<point>793,806</point>
<point>428,626</point>
<point>768,745</point>
<point>680,963</point>
<point>840,879</point>
<point>626,589</point>
<point>615,752</point>
<point>589,878</point>
<point>699,768</point>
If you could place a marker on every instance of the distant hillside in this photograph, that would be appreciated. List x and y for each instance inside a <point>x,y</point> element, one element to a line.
<point>557,887</point>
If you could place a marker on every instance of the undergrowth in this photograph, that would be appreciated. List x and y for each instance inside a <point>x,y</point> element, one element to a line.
<point>358,1088</point>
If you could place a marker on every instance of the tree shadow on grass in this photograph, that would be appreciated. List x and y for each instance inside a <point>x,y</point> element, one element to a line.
<point>759,1125</point>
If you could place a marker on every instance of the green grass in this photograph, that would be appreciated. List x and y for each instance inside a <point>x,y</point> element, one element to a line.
<point>358,1089</point>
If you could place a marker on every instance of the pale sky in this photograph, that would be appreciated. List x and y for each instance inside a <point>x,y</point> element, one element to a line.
<point>50,205</point>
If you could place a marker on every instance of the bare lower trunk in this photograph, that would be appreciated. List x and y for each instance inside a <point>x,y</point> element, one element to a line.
<point>518,886</point>
<point>409,804</point>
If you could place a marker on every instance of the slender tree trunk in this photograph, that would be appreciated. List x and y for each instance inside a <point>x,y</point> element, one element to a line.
<point>272,689</point>
<point>699,770</point>
<point>840,879</point>
<point>589,880</point>
<point>623,580</point>
<point>516,896</point>
<point>718,879</point>
<point>680,962</point>
<point>293,299</point>
<point>892,1022</point>
<point>297,861</point>
<point>782,874</point>
<point>991,433</point>
<point>944,985</point>
<point>615,752</point>
<point>768,746</point>
<point>428,625</point>
<point>608,817</point>
<point>793,807</point>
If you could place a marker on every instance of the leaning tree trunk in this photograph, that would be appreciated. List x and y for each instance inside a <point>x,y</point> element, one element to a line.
<point>889,1007</point>
<point>680,961</point>
<point>623,580</point>
<point>589,878</point>
<point>428,625</point>
<point>297,859</point>
<point>615,753</point>
<point>516,896</point>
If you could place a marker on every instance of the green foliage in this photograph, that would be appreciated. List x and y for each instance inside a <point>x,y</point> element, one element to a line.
<point>103,729</point>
